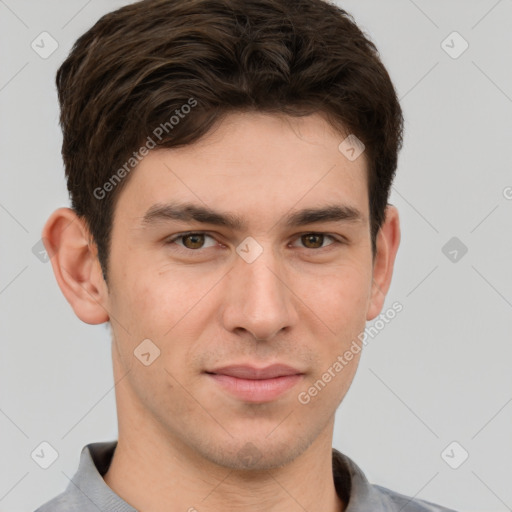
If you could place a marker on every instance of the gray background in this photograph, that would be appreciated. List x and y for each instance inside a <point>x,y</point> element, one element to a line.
<point>438,373</point>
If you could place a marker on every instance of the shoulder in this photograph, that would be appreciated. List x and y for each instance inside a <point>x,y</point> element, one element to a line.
<point>353,487</point>
<point>64,502</point>
<point>409,504</point>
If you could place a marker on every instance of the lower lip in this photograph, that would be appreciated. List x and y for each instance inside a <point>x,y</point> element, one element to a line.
<point>251,390</point>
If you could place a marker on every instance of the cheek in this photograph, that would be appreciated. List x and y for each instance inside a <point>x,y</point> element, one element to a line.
<point>169,307</point>
<point>339,299</point>
<point>146,299</point>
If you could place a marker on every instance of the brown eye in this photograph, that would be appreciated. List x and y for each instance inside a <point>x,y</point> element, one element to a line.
<point>313,240</point>
<point>196,240</point>
<point>317,241</point>
<point>191,241</point>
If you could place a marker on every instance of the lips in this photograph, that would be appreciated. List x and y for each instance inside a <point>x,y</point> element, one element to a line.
<point>256,385</point>
<point>252,373</point>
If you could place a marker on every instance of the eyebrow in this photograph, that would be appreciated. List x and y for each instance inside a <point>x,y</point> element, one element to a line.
<point>194,212</point>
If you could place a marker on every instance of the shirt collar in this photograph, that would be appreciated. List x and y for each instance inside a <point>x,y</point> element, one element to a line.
<point>89,488</point>
<point>353,487</point>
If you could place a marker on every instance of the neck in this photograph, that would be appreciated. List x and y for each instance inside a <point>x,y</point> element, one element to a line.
<point>159,474</point>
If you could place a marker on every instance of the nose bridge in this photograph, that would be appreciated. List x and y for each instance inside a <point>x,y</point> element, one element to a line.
<point>261,301</point>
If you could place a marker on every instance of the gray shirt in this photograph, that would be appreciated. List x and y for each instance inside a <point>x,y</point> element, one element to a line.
<point>88,492</point>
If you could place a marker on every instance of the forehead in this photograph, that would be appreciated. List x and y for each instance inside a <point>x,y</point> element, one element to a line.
<point>257,165</point>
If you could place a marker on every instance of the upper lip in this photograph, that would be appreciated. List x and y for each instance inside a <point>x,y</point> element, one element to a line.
<point>251,372</point>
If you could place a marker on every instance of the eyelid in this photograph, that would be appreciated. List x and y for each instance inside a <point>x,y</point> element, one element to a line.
<point>325,235</point>
<point>173,238</point>
<point>336,239</point>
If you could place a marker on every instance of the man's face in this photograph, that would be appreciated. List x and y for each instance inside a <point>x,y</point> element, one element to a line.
<point>218,298</point>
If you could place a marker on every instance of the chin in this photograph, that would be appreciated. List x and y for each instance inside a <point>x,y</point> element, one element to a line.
<point>259,454</point>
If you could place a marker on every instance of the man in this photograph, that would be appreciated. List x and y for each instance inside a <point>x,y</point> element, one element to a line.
<point>229,165</point>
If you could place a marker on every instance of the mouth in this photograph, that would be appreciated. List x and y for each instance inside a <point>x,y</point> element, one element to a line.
<point>256,385</point>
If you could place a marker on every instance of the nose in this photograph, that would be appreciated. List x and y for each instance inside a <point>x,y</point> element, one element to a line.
<point>259,298</point>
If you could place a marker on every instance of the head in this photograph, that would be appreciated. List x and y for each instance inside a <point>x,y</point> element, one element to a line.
<point>224,118</point>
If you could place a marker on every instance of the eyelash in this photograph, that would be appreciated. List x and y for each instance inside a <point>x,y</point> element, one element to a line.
<point>172,240</point>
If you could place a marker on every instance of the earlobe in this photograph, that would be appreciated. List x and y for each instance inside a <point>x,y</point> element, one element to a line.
<point>75,265</point>
<point>388,241</point>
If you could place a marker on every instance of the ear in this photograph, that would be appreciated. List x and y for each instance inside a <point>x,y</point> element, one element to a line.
<point>388,240</point>
<point>75,265</point>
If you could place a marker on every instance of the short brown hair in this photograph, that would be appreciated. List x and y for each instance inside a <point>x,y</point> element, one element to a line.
<point>139,65</point>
